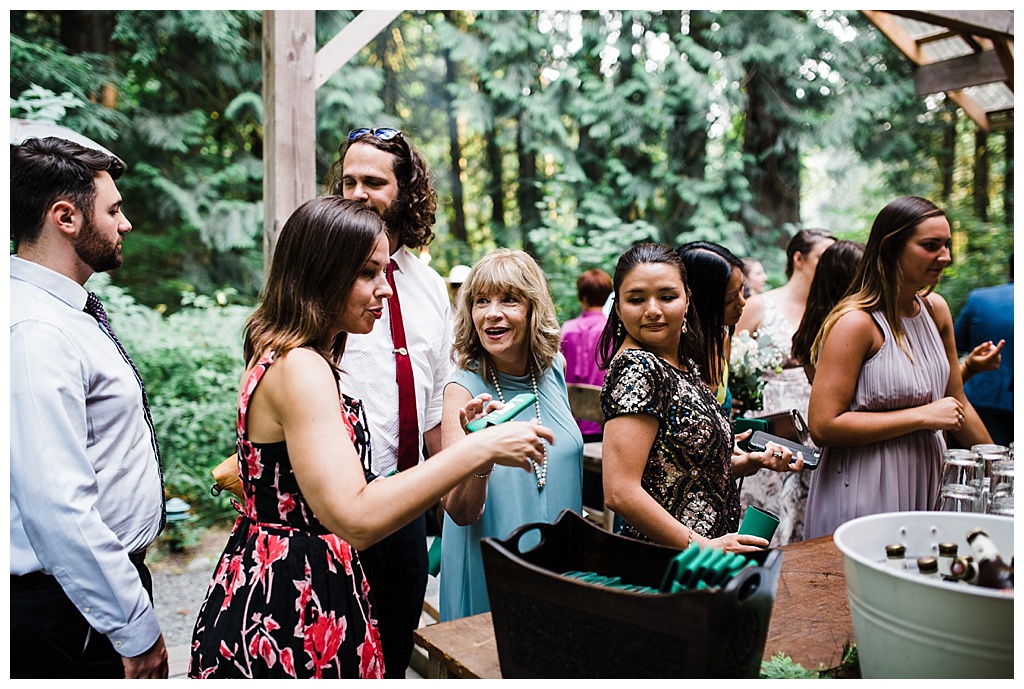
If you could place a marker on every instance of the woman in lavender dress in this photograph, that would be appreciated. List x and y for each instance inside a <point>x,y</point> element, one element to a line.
<point>887,382</point>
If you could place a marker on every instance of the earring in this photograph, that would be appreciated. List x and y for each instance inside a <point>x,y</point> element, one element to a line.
<point>618,330</point>
<point>684,326</point>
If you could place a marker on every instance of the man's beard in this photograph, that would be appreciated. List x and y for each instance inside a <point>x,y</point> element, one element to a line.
<point>94,251</point>
<point>394,219</point>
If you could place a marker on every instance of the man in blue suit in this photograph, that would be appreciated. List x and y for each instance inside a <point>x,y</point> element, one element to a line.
<point>988,317</point>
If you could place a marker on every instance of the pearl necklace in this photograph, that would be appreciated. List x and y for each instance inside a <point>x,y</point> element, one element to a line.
<point>542,470</point>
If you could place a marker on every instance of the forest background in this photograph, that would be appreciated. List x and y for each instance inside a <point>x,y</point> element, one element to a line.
<point>570,134</point>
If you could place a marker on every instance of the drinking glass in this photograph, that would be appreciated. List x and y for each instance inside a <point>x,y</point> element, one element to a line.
<point>961,481</point>
<point>989,453</point>
<point>1000,498</point>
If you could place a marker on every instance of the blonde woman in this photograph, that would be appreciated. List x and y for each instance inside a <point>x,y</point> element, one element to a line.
<point>506,343</point>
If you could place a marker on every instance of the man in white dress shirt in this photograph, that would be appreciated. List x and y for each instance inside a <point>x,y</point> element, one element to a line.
<point>382,169</point>
<point>86,487</point>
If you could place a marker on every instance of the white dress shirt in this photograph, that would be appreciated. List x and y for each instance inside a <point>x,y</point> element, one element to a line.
<point>368,364</point>
<point>85,486</point>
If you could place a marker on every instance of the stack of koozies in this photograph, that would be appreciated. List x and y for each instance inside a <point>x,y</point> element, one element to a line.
<point>695,568</point>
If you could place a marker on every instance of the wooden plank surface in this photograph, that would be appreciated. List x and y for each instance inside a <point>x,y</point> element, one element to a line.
<point>461,649</point>
<point>810,620</point>
<point>811,617</point>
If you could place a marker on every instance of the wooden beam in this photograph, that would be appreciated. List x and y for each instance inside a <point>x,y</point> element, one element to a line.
<point>1004,49</point>
<point>958,73</point>
<point>350,40</point>
<point>289,106</point>
<point>887,24</point>
<point>988,23</point>
<point>891,29</point>
<point>971,108</point>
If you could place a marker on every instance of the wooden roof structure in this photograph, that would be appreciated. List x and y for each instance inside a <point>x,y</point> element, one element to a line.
<point>966,54</point>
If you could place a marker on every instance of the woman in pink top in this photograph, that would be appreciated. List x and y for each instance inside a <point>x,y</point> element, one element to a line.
<point>580,335</point>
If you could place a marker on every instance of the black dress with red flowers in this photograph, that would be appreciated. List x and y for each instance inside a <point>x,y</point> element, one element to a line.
<point>288,597</point>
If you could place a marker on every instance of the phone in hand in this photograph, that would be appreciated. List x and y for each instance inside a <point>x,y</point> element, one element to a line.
<point>509,411</point>
<point>759,442</point>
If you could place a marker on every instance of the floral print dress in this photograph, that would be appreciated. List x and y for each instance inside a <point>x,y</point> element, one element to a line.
<point>288,597</point>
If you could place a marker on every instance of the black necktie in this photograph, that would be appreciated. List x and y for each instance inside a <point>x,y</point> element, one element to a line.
<point>94,308</point>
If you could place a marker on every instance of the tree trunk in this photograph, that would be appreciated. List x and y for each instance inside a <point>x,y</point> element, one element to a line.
<point>458,227</point>
<point>947,159</point>
<point>89,31</point>
<point>527,189</point>
<point>389,89</point>
<point>1008,178</point>
<point>981,166</point>
<point>496,187</point>
<point>687,142</point>
<point>774,172</point>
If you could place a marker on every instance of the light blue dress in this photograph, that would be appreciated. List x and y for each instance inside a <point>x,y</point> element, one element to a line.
<point>512,495</point>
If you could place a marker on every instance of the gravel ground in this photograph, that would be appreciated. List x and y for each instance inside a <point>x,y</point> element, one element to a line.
<point>179,585</point>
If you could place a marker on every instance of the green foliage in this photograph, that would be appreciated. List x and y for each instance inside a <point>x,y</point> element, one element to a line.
<point>781,666</point>
<point>981,257</point>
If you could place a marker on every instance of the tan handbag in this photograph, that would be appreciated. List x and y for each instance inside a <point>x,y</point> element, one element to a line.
<point>225,477</point>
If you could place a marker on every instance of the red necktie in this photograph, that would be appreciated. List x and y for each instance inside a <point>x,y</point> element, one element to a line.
<point>408,426</point>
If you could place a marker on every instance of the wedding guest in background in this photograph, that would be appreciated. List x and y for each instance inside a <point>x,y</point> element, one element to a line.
<point>832,279</point>
<point>399,369</point>
<point>985,328</point>
<point>754,275</point>
<point>580,336</point>
<point>775,315</point>
<point>716,285</point>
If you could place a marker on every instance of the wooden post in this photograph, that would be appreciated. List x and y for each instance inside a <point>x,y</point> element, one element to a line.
<point>289,132</point>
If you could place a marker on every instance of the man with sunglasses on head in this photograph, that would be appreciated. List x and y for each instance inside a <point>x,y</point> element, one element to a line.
<point>381,168</point>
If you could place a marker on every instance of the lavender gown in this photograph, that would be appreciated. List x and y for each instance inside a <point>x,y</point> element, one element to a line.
<point>896,475</point>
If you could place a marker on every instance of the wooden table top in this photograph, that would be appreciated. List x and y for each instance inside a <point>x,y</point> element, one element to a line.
<point>810,620</point>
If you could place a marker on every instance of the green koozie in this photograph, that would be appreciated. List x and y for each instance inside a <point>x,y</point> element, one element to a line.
<point>758,522</point>
<point>434,557</point>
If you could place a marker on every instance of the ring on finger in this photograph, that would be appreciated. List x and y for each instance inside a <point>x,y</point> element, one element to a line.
<point>777,454</point>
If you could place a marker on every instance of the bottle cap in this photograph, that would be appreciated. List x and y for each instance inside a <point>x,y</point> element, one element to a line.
<point>974,533</point>
<point>947,549</point>
<point>927,565</point>
<point>895,550</point>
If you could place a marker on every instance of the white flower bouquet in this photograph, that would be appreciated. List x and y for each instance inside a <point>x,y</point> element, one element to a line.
<point>749,360</point>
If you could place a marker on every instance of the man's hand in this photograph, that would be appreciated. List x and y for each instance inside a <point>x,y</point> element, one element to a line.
<point>150,665</point>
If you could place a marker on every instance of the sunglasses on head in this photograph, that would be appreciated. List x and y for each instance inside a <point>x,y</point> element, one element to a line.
<point>383,133</point>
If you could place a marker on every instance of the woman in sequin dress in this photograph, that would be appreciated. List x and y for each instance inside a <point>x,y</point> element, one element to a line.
<point>288,597</point>
<point>887,383</point>
<point>669,458</point>
<point>506,343</point>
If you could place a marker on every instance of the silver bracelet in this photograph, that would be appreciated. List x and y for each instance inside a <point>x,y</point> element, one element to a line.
<point>485,475</point>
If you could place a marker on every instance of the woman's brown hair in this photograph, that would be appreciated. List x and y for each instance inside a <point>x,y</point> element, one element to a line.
<point>319,253</point>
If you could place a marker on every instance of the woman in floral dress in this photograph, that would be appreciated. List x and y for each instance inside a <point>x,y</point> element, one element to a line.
<point>288,597</point>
